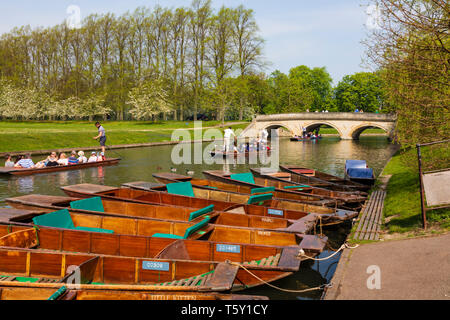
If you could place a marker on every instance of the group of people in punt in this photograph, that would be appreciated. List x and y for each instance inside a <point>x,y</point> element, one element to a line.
<point>53,160</point>
<point>25,161</point>
<point>231,144</point>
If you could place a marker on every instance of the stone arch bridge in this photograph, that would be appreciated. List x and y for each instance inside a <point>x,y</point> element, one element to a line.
<point>349,125</point>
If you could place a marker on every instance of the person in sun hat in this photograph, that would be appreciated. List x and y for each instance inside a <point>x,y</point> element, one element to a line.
<point>81,157</point>
<point>93,157</point>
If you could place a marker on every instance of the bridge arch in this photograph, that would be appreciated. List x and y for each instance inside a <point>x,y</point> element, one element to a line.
<point>357,131</point>
<point>279,125</point>
<point>313,126</point>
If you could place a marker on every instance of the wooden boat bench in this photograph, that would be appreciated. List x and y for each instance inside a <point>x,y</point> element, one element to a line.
<point>28,279</point>
<point>62,219</point>
<point>192,232</point>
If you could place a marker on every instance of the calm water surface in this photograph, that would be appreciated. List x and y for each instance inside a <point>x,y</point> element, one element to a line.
<point>328,155</point>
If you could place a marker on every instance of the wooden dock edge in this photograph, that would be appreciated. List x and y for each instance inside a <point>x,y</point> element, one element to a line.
<point>332,292</point>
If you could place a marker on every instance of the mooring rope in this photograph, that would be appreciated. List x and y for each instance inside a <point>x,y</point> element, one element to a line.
<point>302,254</point>
<point>278,288</point>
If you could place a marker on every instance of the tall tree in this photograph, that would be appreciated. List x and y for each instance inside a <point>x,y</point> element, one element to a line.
<point>199,25</point>
<point>362,91</point>
<point>411,47</point>
<point>222,56</point>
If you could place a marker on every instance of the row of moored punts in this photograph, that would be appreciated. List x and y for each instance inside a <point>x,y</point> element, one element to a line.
<point>181,238</point>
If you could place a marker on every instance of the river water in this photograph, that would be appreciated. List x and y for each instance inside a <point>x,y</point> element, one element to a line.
<point>328,155</point>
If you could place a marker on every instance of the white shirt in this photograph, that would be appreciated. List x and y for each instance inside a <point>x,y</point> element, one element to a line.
<point>228,133</point>
<point>264,134</point>
<point>82,159</point>
<point>93,159</point>
<point>63,162</point>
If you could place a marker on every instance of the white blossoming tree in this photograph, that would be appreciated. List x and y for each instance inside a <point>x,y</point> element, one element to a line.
<point>149,100</point>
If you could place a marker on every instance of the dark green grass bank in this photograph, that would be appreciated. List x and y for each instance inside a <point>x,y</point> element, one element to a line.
<point>34,135</point>
<point>402,203</point>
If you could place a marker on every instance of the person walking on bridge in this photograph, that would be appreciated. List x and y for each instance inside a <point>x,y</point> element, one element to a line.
<point>101,136</point>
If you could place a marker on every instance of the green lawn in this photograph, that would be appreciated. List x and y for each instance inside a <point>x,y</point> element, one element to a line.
<point>403,199</point>
<point>35,135</point>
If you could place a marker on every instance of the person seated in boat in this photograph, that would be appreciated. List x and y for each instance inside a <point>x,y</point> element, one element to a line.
<point>50,161</point>
<point>25,162</point>
<point>18,158</point>
<point>63,161</point>
<point>81,157</point>
<point>8,161</point>
<point>73,158</point>
<point>101,157</point>
<point>93,157</point>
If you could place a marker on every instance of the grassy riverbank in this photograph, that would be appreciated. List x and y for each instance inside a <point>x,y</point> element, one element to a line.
<point>48,135</point>
<point>402,211</point>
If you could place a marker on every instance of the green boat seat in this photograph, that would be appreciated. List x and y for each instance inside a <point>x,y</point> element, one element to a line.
<point>99,230</point>
<point>260,198</point>
<point>299,187</point>
<point>62,219</point>
<point>189,231</point>
<point>90,204</point>
<point>263,190</point>
<point>58,293</point>
<point>243,177</point>
<point>167,236</point>
<point>57,219</point>
<point>201,212</point>
<point>181,188</point>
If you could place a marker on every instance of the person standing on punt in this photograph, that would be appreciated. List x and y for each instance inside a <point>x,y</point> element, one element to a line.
<point>101,136</point>
<point>227,139</point>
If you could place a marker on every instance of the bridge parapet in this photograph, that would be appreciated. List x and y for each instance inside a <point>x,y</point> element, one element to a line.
<point>328,116</point>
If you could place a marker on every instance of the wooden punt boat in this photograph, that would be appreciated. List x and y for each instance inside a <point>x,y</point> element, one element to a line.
<point>284,180</point>
<point>20,291</point>
<point>307,198</point>
<point>133,274</point>
<point>235,202</point>
<point>249,180</point>
<point>358,171</point>
<point>151,228</point>
<point>267,262</point>
<point>65,240</point>
<point>311,176</point>
<point>31,171</point>
<point>168,177</point>
<point>158,212</point>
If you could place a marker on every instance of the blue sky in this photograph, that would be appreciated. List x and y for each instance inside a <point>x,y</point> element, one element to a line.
<point>315,33</point>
